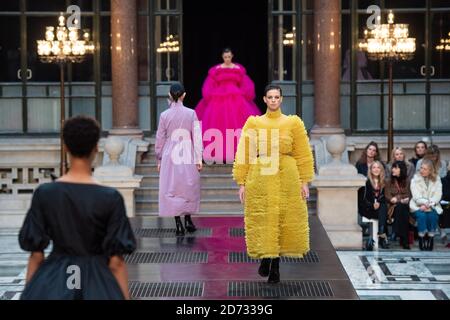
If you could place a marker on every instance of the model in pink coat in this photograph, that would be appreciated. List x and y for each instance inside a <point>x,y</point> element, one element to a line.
<point>178,149</point>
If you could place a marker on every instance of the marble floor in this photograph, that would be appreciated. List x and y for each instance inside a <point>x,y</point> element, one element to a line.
<point>382,275</point>
<point>13,263</point>
<point>398,275</point>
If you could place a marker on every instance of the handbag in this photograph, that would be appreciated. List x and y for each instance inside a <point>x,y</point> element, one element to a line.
<point>390,214</point>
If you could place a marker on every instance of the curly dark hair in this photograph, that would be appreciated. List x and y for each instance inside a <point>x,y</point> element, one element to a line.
<point>81,135</point>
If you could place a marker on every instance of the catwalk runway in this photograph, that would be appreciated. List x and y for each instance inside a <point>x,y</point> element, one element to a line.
<point>212,264</point>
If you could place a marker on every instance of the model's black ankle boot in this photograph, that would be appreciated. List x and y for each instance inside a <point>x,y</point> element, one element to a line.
<point>190,227</point>
<point>405,243</point>
<point>421,244</point>
<point>426,242</point>
<point>264,268</point>
<point>180,228</point>
<point>274,275</point>
<point>430,244</point>
<point>383,243</point>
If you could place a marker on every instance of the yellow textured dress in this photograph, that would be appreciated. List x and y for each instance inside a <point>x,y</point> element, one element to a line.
<point>275,214</point>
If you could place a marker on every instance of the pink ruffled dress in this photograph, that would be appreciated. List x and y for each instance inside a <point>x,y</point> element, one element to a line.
<point>228,95</point>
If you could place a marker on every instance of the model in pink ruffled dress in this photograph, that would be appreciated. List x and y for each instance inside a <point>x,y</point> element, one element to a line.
<point>228,95</point>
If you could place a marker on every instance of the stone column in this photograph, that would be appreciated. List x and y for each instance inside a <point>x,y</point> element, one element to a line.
<point>124,68</point>
<point>327,68</point>
<point>337,198</point>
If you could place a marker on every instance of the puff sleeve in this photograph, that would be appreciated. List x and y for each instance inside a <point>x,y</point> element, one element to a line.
<point>301,151</point>
<point>119,237</point>
<point>33,234</point>
<point>210,85</point>
<point>247,87</point>
<point>246,151</point>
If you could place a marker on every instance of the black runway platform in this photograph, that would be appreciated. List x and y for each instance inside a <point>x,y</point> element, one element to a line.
<point>212,264</point>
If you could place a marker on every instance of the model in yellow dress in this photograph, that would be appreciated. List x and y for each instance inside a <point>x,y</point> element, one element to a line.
<point>273,167</point>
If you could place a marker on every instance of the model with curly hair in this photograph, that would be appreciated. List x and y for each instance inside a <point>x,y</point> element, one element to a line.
<point>87,225</point>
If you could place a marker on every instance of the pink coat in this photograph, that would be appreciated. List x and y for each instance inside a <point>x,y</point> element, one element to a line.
<point>178,149</point>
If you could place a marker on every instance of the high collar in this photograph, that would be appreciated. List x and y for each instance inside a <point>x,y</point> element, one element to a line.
<point>273,114</point>
<point>173,104</point>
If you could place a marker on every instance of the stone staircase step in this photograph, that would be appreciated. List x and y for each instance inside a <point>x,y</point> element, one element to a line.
<point>210,179</point>
<point>148,168</point>
<point>206,192</point>
<point>214,204</point>
<point>219,192</point>
<point>140,213</point>
<point>223,204</point>
<point>143,213</point>
<point>213,192</point>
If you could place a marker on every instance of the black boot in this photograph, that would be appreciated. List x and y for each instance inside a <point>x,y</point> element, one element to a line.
<point>274,274</point>
<point>180,228</point>
<point>421,244</point>
<point>189,224</point>
<point>382,241</point>
<point>264,268</point>
<point>426,242</point>
<point>430,244</point>
<point>405,243</point>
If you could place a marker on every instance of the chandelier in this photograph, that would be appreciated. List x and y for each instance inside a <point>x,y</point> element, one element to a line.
<point>66,45</point>
<point>170,45</point>
<point>444,44</point>
<point>388,41</point>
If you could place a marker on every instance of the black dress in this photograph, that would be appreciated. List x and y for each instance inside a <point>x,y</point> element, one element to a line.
<point>87,224</point>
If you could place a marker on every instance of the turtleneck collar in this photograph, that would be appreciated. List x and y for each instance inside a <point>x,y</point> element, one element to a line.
<point>273,114</point>
<point>175,104</point>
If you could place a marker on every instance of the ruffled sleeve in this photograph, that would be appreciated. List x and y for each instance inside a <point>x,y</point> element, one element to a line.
<point>33,235</point>
<point>119,237</point>
<point>301,151</point>
<point>246,151</point>
<point>247,86</point>
<point>209,85</point>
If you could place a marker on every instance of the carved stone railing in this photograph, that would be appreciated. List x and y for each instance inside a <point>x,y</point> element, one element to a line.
<point>25,163</point>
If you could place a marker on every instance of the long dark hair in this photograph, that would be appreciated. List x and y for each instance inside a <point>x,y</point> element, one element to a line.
<point>403,178</point>
<point>363,158</point>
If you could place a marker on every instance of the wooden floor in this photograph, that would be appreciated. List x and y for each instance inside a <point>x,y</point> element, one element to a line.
<point>212,264</point>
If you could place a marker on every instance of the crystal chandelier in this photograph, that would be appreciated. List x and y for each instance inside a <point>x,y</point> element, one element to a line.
<point>444,45</point>
<point>66,45</point>
<point>388,41</point>
<point>170,45</point>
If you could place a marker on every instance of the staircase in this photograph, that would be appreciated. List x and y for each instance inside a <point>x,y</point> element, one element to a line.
<point>219,192</point>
